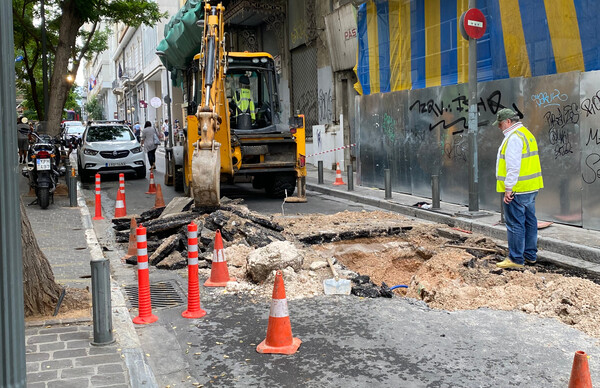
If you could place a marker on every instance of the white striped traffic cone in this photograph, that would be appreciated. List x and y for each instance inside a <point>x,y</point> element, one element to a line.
<point>338,176</point>
<point>279,330</point>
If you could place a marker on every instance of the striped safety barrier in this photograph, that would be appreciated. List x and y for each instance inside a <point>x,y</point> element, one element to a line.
<point>333,150</point>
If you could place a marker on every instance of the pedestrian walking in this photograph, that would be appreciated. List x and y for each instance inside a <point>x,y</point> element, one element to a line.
<point>150,142</point>
<point>165,130</point>
<point>137,129</point>
<point>519,177</point>
<point>23,138</point>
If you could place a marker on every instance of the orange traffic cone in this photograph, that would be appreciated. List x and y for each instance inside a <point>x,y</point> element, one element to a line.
<point>580,373</point>
<point>144,301</point>
<point>279,330</point>
<point>193,310</point>
<point>120,206</point>
<point>122,190</point>
<point>152,187</point>
<point>159,200</point>
<point>132,248</point>
<point>338,176</point>
<point>98,204</point>
<point>219,274</point>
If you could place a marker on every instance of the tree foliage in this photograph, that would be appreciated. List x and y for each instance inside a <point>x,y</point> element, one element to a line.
<point>94,109</point>
<point>73,34</point>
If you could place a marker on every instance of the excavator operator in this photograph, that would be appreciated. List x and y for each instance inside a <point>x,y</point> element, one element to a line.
<point>244,105</point>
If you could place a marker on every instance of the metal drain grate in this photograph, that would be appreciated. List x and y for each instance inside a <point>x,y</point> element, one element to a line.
<point>162,295</point>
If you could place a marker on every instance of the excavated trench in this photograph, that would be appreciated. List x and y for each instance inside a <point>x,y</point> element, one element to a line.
<point>446,267</point>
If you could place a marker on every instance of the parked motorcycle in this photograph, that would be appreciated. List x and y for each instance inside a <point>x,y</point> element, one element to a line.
<point>42,168</point>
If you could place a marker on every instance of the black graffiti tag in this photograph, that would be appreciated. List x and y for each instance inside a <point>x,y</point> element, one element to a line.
<point>459,104</point>
<point>561,117</point>
<point>593,136</point>
<point>591,172</point>
<point>456,149</point>
<point>325,106</point>
<point>591,106</point>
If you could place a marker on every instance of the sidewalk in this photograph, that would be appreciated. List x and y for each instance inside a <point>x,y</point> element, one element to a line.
<point>59,352</point>
<point>562,244</point>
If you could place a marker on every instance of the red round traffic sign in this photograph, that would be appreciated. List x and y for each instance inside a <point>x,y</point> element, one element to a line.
<point>472,23</point>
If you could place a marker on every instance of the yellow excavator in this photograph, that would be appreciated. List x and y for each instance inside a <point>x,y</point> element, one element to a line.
<point>237,136</point>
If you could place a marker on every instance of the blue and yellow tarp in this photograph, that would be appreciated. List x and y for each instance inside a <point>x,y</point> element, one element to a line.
<point>413,44</point>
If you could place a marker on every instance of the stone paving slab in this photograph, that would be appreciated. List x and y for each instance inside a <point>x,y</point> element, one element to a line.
<point>61,355</point>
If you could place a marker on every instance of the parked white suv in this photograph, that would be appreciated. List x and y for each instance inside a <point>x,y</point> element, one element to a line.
<point>109,147</point>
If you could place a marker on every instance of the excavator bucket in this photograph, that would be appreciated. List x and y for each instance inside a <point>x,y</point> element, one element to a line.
<point>206,176</point>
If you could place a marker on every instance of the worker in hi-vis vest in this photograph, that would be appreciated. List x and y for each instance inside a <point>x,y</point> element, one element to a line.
<point>244,105</point>
<point>519,178</point>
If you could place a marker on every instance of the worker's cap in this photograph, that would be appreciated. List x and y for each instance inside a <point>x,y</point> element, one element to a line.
<point>504,114</point>
<point>244,80</point>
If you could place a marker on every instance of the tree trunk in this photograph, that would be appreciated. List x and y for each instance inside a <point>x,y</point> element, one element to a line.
<point>40,291</point>
<point>59,86</point>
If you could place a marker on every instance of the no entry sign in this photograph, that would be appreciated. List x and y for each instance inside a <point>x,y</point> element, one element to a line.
<point>472,24</point>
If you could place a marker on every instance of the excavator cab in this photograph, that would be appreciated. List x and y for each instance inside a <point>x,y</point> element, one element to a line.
<point>250,84</point>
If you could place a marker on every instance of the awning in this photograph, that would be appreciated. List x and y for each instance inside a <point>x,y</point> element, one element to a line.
<point>182,37</point>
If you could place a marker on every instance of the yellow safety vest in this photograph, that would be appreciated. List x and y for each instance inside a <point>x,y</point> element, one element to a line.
<point>530,174</point>
<point>243,101</point>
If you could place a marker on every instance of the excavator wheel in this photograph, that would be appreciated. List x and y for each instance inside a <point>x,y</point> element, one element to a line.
<point>206,177</point>
<point>179,178</point>
<point>277,186</point>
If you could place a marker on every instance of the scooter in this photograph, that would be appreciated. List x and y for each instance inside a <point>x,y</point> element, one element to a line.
<point>42,169</point>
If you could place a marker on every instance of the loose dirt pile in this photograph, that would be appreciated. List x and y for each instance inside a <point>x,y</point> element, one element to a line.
<point>401,251</point>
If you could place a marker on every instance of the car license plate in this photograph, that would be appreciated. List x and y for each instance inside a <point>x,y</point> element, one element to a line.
<point>43,164</point>
<point>114,164</point>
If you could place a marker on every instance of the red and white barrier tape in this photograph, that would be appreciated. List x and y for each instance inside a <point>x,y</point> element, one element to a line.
<point>335,149</point>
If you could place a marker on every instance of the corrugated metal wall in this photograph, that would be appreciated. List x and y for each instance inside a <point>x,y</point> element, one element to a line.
<point>304,83</point>
<point>423,132</point>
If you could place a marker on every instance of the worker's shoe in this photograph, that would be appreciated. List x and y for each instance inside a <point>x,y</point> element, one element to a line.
<point>529,261</point>
<point>508,263</point>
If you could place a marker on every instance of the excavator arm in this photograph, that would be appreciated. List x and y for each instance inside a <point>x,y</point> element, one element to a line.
<point>207,153</point>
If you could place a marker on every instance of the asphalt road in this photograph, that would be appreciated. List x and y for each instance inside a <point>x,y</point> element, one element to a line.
<point>256,200</point>
<point>346,341</point>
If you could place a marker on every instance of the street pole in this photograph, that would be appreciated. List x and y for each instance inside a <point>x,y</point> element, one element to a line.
<point>44,65</point>
<point>169,159</point>
<point>12,318</point>
<point>473,162</point>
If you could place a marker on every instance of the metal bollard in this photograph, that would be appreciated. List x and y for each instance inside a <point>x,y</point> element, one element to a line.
<point>320,171</point>
<point>388,184</point>
<point>435,191</point>
<point>72,179</point>
<point>101,305</point>
<point>67,174</point>
<point>350,177</point>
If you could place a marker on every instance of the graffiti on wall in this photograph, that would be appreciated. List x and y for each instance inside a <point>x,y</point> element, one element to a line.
<point>437,109</point>
<point>452,114</point>
<point>306,104</point>
<point>298,32</point>
<point>545,99</point>
<point>325,95</point>
<point>590,173</point>
<point>591,169</point>
<point>388,125</point>
<point>325,106</point>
